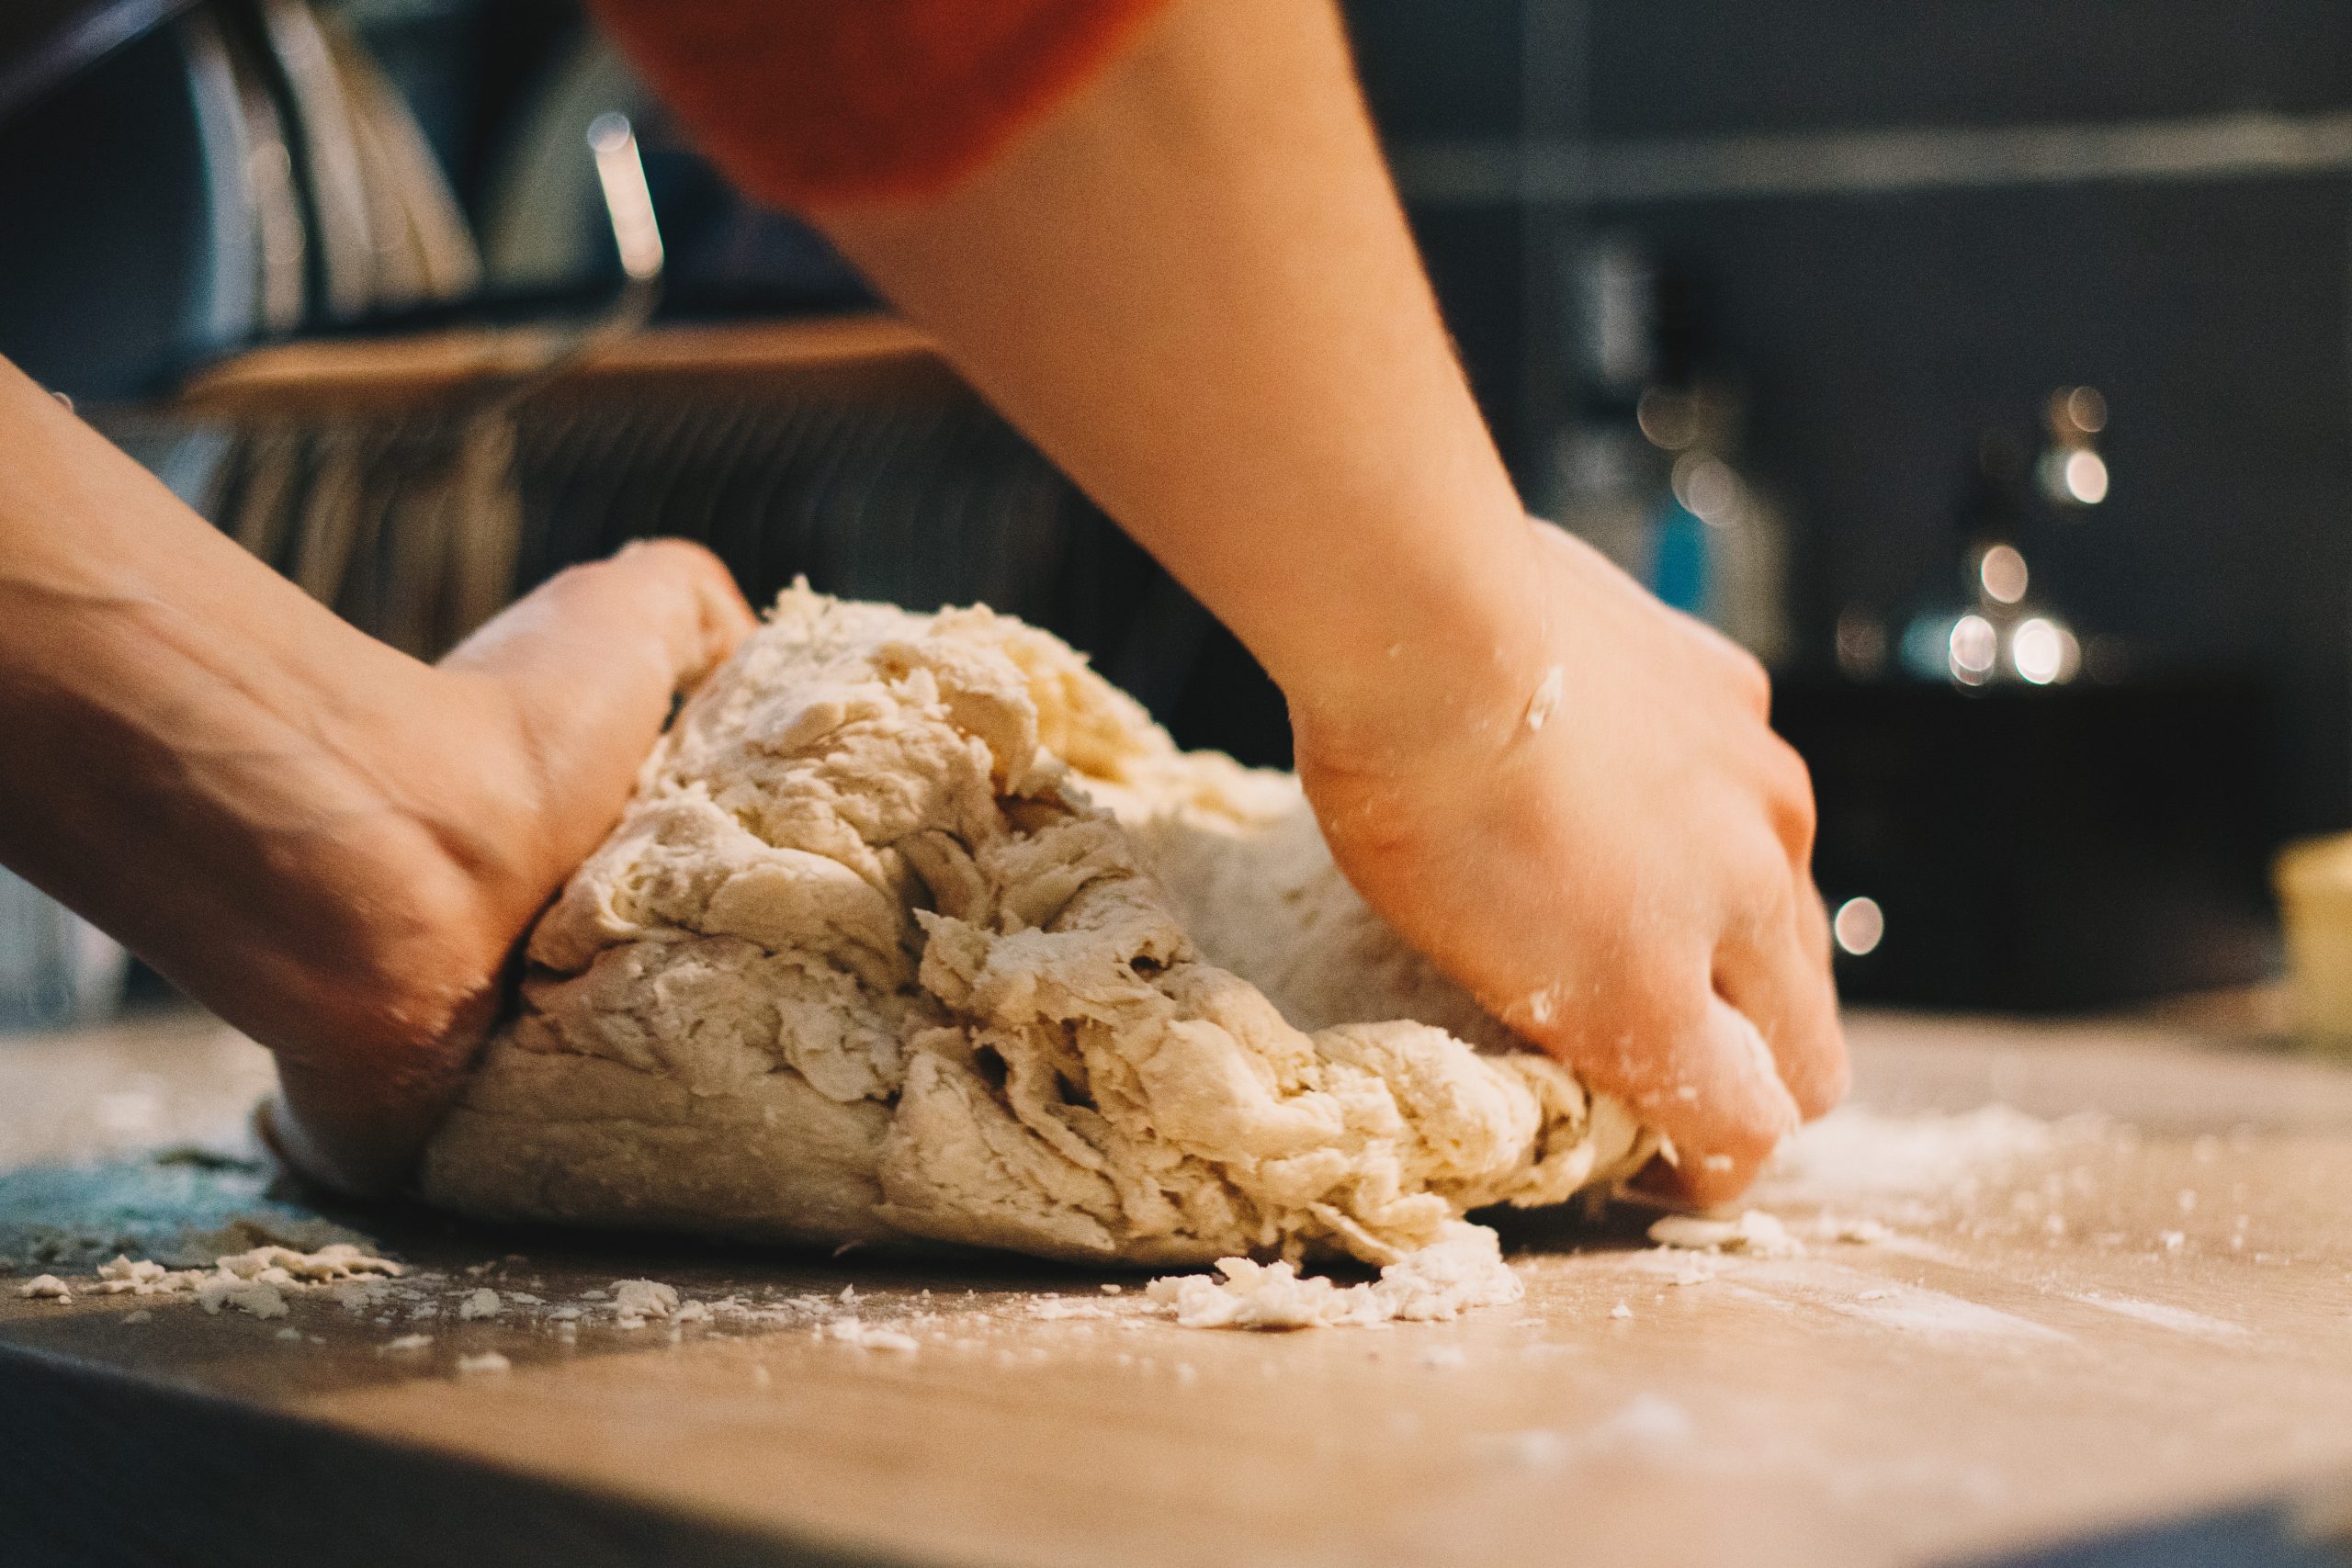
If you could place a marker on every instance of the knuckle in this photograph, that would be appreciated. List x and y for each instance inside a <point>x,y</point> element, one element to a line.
<point>688,554</point>
<point>1769,922</point>
<point>1750,678</point>
<point>1761,884</point>
<point>675,556</point>
<point>1813,926</point>
<point>1795,811</point>
<point>647,572</point>
<point>582,577</point>
<point>699,569</point>
<point>654,557</point>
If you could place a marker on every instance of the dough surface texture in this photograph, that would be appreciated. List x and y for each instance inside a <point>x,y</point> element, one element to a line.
<point>916,929</point>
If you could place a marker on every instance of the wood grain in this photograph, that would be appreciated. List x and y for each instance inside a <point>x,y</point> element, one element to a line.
<point>2064,1342</point>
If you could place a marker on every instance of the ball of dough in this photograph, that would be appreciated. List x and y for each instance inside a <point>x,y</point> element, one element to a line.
<point>917,929</point>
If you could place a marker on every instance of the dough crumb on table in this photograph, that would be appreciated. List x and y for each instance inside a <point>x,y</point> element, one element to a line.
<point>634,1301</point>
<point>1754,1232</point>
<point>1464,1268</point>
<point>918,931</point>
<point>255,1282</point>
<point>851,1331</point>
<point>144,1277</point>
<point>261,1298</point>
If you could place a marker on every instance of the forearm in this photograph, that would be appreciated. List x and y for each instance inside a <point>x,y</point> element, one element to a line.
<point>176,715</point>
<point>1194,289</point>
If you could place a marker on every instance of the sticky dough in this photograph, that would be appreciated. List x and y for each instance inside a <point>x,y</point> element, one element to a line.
<point>916,928</point>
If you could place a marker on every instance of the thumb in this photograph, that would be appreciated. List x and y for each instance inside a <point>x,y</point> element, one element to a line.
<point>590,663</point>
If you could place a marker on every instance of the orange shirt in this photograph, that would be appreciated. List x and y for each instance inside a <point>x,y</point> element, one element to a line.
<point>807,101</point>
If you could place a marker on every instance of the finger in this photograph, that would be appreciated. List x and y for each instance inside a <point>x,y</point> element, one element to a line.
<point>591,661</point>
<point>1777,974</point>
<point>1788,802</point>
<point>1736,1126</point>
<point>668,602</point>
<point>1687,1064</point>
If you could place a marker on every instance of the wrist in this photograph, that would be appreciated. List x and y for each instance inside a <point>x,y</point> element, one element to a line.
<point>1446,654</point>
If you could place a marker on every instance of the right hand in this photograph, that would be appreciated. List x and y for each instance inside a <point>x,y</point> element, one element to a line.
<point>1626,882</point>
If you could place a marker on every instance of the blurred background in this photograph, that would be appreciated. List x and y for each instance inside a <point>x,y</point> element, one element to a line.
<point>1981,365</point>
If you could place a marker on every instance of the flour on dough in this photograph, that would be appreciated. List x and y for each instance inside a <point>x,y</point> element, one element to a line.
<point>916,928</point>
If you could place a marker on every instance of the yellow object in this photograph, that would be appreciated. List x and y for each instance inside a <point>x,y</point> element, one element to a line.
<point>2314,883</point>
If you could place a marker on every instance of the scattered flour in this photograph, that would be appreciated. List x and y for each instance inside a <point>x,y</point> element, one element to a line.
<point>144,1278</point>
<point>483,1302</point>
<point>487,1364</point>
<point>634,1301</point>
<point>1648,1422</point>
<point>1464,1268</point>
<point>254,1281</point>
<point>1546,698</point>
<point>261,1298</point>
<point>257,1281</point>
<point>850,1331</point>
<point>1755,1233</point>
<point>405,1343</point>
<point>1649,1425</point>
<point>284,1266</point>
<point>1856,1153</point>
<point>1915,1310</point>
<point>2181,1320</point>
<point>1853,1230</point>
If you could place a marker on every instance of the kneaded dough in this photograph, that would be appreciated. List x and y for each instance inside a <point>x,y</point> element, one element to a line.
<point>916,928</point>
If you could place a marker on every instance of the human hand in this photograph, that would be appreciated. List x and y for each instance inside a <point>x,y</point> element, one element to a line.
<point>1585,819</point>
<point>436,823</point>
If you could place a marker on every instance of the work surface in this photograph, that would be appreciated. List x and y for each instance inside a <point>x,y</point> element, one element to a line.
<point>2069,1322</point>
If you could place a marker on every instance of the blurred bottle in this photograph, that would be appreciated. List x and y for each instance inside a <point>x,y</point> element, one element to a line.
<point>1718,546</point>
<point>1645,469</point>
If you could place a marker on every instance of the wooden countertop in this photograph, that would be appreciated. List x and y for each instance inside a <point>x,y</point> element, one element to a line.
<point>2118,1320</point>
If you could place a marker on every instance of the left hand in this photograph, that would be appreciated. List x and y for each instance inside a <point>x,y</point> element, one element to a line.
<point>431,832</point>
